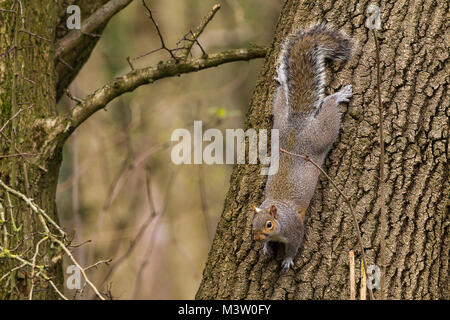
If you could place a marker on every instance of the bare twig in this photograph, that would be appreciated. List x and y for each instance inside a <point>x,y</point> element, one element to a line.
<point>71,97</point>
<point>65,63</point>
<point>382,189</point>
<point>4,226</point>
<point>35,35</point>
<point>6,10</point>
<point>41,213</point>
<point>163,45</point>
<point>33,267</point>
<point>7,52</point>
<point>82,270</point>
<point>7,254</point>
<point>347,200</point>
<point>33,207</point>
<point>95,265</point>
<point>23,154</point>
<point>147,253</point>
<point>80,244</point>
<point>24,78</point>
<point>14,116</point>
<point>198,31</point>
<point>57,290</point>
<point>142,230</point>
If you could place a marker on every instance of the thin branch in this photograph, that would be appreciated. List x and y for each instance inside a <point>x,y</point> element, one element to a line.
<point>7,52</point>
<point>71,97</point>
<point>347,200</point>
<point>151,218</point>
<point>95,20</point>
<point>24,154</point>
<point>198,31</point>
<point>136,78</point>
<point>82,270</point>
<point>24,78</point>
<point>34,266</point>
<point>6,10</point>
<point>95,265</point>
<point>14,116</point>
<point>33,206</point>
<point>383,221</point>
<point>7,254</point>
<point>57,290</point>
<point>80,244</point>
<point>35,35</point>
<point>65,63</point>
<point>163,45</point>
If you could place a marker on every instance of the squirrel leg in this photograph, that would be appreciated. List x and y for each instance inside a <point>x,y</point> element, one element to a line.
<point>268,249</point>
<point>344,95</point>
<point>291,251</point>
<point>327,122</point>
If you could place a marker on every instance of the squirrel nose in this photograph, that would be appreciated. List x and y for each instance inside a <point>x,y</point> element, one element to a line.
<point>258,236</point>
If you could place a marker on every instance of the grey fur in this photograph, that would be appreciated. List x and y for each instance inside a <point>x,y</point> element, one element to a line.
<point>310,132</point>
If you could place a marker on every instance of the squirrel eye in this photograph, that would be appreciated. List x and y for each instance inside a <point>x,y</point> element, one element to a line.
<point>269,225</point>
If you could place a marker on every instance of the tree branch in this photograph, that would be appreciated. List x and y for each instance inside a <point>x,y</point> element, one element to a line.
<point>98,18</point>
<point>136,78</point>
<point>198,31</point>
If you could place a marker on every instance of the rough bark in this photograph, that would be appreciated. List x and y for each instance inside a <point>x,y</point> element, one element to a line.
<point>414,65</point>
<point>27,79</point>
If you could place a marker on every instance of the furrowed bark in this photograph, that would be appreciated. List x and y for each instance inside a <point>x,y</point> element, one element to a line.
<point>414,86</point>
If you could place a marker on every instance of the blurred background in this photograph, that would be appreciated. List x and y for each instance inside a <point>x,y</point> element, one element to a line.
<point>119,192</point>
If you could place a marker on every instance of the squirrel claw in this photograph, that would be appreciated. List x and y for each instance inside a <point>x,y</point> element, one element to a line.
<point>287,264</point>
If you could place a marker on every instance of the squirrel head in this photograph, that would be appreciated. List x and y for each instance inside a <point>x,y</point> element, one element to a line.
<point>265,224</point>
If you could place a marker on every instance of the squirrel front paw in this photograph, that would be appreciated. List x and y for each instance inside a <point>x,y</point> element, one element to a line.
<point>345,94</point>
<point>267,249</point>
<point>287,264</point>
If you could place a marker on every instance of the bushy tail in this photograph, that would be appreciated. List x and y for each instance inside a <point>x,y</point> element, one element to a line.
<point>301,69</point>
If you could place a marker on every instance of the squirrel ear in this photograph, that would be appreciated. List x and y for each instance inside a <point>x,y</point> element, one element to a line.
<point>273,211</point>
<point>256,209</point>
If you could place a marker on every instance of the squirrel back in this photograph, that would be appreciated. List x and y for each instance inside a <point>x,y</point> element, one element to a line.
<point>301,69</point>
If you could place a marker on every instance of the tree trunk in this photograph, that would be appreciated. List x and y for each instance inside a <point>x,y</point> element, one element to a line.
<point>28,162</point>
<point>414,84</point>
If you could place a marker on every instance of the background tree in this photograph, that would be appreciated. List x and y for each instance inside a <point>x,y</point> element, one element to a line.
<point>414,68</point>
<point>39,59</point>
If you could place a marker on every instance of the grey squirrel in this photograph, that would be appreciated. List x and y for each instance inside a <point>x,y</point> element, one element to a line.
<point>308,124</point>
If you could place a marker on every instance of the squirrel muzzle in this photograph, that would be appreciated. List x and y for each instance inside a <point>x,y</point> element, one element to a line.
<point>259,236</point>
